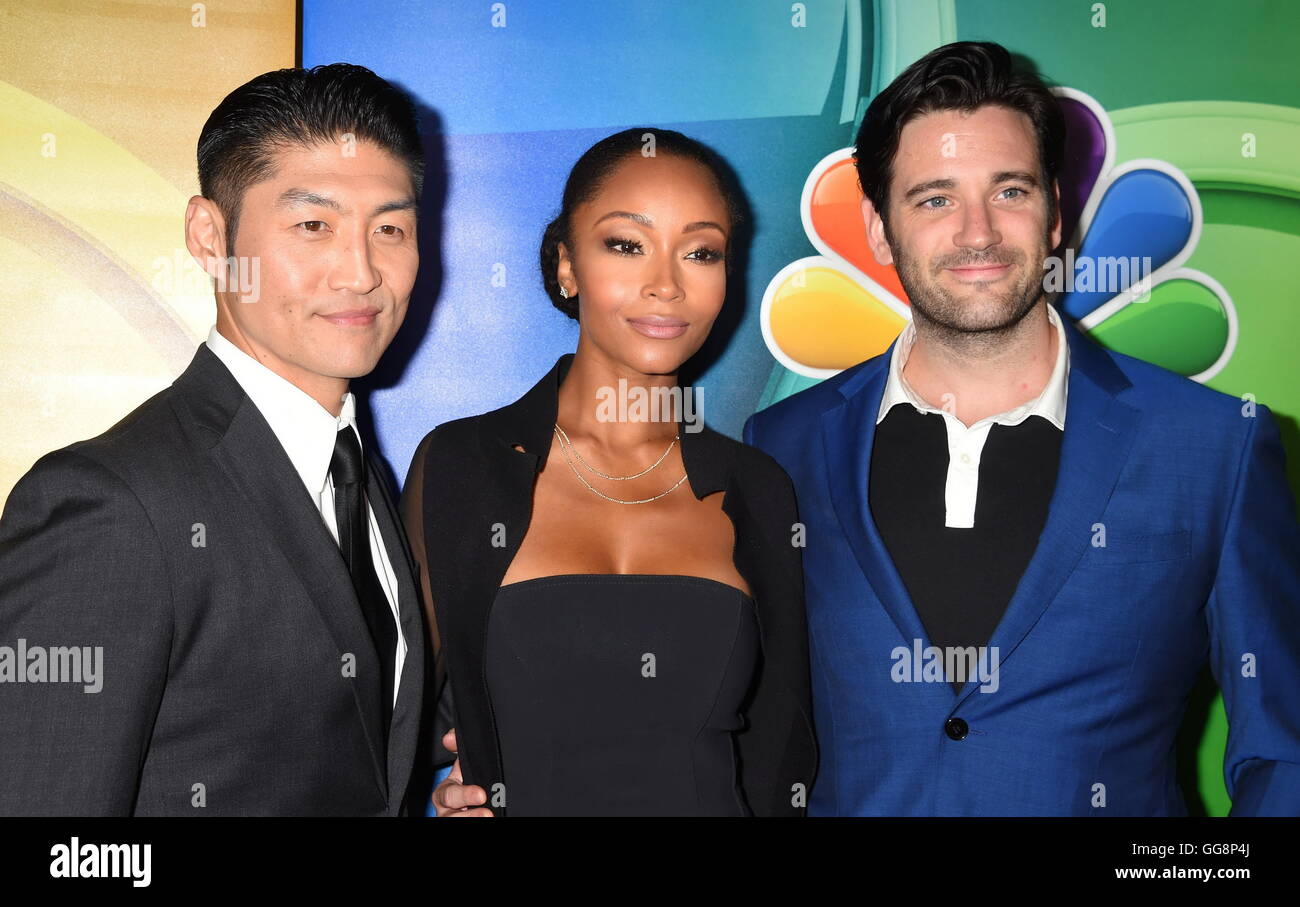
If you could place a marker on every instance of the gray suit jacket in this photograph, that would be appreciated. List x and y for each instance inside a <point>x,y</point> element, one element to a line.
<point>237,673</point>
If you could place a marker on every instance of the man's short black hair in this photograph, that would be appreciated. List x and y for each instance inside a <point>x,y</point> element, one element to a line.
<point>300,107</point>
<point>962,76</point>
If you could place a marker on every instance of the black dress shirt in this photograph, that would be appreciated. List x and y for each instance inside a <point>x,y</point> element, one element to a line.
<point>960,580</point>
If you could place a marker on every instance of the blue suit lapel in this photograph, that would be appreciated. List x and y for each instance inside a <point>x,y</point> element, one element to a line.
<point>848,432</point>
<point>1099,433</point>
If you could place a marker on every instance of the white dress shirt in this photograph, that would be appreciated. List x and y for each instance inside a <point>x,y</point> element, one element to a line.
<point>307,432</point>
<point>966,444</point>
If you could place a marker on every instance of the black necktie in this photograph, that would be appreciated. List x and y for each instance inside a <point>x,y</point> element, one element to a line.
<point>349,473</point>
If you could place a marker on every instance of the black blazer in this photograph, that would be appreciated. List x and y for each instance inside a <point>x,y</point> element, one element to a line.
<point>466,477</point>
<point>183,543</point>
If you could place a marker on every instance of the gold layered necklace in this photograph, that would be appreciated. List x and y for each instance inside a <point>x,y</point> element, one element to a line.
<point>566,447</point>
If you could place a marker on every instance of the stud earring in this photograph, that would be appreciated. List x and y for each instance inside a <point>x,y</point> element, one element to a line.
<point>564,294</point>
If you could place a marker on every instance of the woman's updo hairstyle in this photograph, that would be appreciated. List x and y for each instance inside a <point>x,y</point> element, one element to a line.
<point>596,165</point>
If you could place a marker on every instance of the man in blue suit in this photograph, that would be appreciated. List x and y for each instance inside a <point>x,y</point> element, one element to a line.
<point>1021,549</point>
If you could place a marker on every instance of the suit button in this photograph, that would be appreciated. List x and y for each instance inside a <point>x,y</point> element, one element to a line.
<point>955,728</point>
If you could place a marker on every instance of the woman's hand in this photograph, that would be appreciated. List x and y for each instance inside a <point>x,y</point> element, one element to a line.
<point>455,798</point>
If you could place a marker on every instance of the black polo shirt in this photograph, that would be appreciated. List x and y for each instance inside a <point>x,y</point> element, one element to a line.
<point>960,580</point>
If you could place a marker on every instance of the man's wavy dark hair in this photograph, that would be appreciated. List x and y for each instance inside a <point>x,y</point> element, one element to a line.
<point>962,76</point>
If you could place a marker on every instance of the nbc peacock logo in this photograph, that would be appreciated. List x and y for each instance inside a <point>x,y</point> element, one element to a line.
<point>828,312</point>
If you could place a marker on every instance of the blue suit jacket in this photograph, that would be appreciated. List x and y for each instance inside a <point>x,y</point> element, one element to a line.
<point>1099,646</point>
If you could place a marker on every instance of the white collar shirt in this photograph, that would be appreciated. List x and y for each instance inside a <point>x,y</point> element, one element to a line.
<point>307,432</point>
<point>966,444</point>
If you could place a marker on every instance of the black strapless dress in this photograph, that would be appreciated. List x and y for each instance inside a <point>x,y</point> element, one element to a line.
<point>617,695</point>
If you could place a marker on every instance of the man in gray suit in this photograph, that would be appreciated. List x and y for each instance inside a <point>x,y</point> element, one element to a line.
<point>211,608</point>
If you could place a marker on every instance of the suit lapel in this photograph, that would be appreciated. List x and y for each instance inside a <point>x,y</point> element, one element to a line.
<point>404,731</point>
<point>1099,433</point>
<point>513,474</point>
<point>255,461</point>
<point>848,432</point>
<point>526,423</point>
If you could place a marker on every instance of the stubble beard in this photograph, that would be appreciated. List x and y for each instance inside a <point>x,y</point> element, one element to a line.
<point>989,316</point>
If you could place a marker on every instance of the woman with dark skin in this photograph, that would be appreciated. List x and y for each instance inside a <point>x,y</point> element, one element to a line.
<point>647,269</point>
<point>639,256</point>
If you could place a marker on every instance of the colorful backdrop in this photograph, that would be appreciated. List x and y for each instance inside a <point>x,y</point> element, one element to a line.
<point>1185,136</point>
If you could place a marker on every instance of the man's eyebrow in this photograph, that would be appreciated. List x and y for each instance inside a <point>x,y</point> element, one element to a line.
<point>401,204</point>
<point>647,222</point>
<point>928,186</point>
<point>306,197</point>
<point>1002,176</point>
<point>1022,176</point>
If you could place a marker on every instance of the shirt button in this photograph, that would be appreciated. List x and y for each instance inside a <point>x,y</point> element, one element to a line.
<point>965,458</point>
<point>955,728</point>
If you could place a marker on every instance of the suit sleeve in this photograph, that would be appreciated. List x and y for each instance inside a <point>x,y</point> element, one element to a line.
<point>81,568</point>
<point>444,720</point>
<point>414,514</point>
<point>778,750</point>
<point>1254,621</point>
